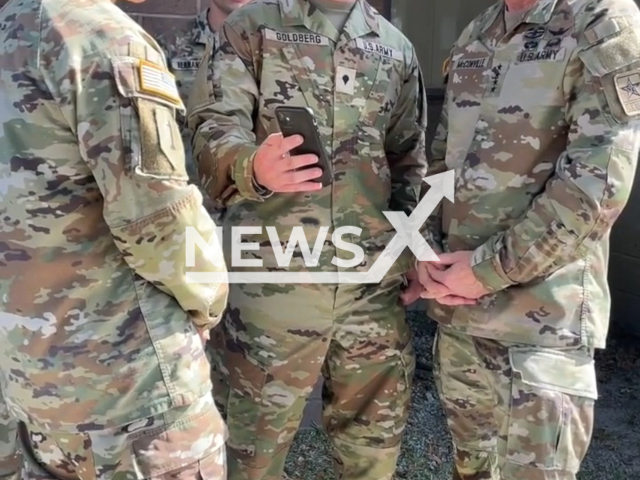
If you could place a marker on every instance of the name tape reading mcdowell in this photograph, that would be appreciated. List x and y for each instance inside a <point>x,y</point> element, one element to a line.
<point>296,37</point>
<point>379,49</point>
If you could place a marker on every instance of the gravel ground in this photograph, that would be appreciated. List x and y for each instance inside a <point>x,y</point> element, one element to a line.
<point>614,453</point>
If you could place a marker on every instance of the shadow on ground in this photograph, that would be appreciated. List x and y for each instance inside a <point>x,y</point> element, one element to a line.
<point>614,453</point>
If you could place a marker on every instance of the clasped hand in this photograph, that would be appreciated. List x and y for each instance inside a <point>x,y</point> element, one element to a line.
<point>450,281</point>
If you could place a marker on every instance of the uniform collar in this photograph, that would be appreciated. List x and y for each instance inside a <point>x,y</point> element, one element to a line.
<point>361,21</point>
<point>203,31</point>
<point>541,13</point>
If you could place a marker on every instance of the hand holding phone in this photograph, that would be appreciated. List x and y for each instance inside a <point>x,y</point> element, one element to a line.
<point>300,121</point>
<point>274,168</point>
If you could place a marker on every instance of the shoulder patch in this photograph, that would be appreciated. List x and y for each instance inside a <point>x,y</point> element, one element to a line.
<point>628,90</point>
<point>156,80</point>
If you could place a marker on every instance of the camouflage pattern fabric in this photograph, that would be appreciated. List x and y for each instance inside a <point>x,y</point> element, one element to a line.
<point>269,351</point>
<point>181,444</point>
<point>185,50</point>
<point>515,411</point>
<point>365,88</point>
<point>10,452</point>
<point>541,126</point>
<point>275,340</point>
<point>98,326</point>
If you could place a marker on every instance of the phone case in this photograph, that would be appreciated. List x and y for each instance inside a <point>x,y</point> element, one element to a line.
<point>301,121</point>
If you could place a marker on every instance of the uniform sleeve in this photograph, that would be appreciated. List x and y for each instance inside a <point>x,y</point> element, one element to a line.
<point>224,142</point>
<point>405,141</point>
<point>123,112</point>
<point>593,176</point>
<point>437,165</point>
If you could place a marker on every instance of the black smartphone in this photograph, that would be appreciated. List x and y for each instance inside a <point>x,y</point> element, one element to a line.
<point>301,121</point>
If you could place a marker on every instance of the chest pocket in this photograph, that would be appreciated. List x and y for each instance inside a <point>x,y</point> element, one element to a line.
<point>534,72</point>
<point>379,72</point>
<point>469,75</point>
<point>294,66</point>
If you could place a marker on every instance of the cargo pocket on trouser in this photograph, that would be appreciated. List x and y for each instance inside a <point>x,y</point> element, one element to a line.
<point>184,443</point>
<point>551,413</point>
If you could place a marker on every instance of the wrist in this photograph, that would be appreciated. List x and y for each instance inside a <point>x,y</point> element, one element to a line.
<point>259,188</point>
<point>244,176</point>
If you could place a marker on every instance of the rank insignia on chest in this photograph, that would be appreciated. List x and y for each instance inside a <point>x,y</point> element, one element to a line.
<point>628,90</point>
<point>345,80</point>
<point>185,63</point>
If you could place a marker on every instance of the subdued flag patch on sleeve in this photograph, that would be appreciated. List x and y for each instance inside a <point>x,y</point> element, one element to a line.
<point>155,80</point>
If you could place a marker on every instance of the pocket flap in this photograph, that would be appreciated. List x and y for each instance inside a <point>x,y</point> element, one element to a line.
<point>613,54</point>
<point>573,374</point>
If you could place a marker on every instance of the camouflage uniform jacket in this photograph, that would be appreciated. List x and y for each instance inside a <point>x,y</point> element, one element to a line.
<point>365,88</point>
<point>185,50</point>
<point>94,329</point>
<point>540,125</point>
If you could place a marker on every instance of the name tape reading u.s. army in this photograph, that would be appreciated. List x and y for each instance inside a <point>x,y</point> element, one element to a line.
<point>547,54</point>
<point>296,37</point>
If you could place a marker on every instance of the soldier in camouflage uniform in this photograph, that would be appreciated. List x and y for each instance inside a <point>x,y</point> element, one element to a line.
<point>361,78</point>
<point>185,50</point>
<point>101,337</point>
<point>541,124</point>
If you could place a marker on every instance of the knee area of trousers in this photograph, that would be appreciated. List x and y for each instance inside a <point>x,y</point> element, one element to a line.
<point>550,417</point>
<point>378,416</point>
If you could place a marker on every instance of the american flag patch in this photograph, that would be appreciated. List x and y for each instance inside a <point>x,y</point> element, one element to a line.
<point>157,81</point>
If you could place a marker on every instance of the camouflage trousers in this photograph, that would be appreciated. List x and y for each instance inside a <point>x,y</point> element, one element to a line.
<point>269,351</point>
<point>185,443</point>
<point>515,412</point>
